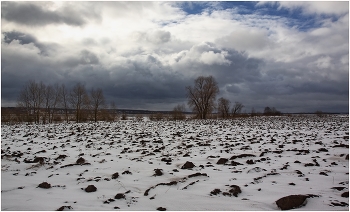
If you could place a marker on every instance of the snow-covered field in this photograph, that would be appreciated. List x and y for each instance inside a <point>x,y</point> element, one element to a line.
<point>142,165</point>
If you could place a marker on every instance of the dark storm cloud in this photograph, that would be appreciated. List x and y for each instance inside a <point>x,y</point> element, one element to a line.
<point>30,14</point>
<point>23,38</point>
<point>140,62</point>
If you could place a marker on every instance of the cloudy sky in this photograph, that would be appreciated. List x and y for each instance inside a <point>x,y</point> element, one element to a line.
<point>293,56</point>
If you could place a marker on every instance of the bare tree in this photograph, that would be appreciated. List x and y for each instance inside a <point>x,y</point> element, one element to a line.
<point>201,97</point>
<point>237,108</point>
<point>32,98</point>
<point>223,107</point>
<point>48,93</point>
<point>56,99</point>
<point>78,98</point>
<point>64,97</point>
<point>97,100</point>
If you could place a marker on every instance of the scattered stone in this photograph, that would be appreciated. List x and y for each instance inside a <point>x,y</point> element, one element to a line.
<point>323,173</point>
<point>158,172</point>
<point>338,188</point>
<point>341,204</point>
<point>127,172</point>
<point>235,190</point>
<point>222,161</point>
<point>119,196</point>
<point>90,188</point>
<point>44,185</point>
<point>115,175</point>
<point>188,165</point>
<point>80,161</point>
<point>241,156</point>
<point>345,194</point>
<point>215,192</point>
<point>291,202</point>
<point>250,162</point>
<point>65,207</point>
<point>234,163</point>
<point>197,174</point>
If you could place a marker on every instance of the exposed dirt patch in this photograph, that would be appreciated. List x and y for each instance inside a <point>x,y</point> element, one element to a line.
<point>291,202</point>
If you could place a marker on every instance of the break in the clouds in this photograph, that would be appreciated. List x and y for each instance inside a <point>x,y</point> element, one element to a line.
<point>290,55</point>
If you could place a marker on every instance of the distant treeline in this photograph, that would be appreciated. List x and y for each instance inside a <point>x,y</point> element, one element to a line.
<point>41,103</point>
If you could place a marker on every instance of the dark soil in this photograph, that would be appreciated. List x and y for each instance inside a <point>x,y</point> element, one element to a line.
<point>44,185</point>
<point>235,190</point>
<point>90,188</point>
<point>222,161</point>
<point>115,175</point>
<point>241,156</point>
<point>80,161</point>
<point>291,202</point>
<point>345,194</point>
<point>197,175</point>
<point>215,192</point>
<point>64,207</point>
<point>119,196</point>
<point>188,165</point>
<point>158,172</point>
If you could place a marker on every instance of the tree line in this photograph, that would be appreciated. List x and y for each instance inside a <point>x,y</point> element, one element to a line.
<point>41,103</point>
<point>46,103</point>
<point>202,100</point>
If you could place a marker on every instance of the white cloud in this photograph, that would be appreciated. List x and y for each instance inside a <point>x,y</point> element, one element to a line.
<point>318,7</point>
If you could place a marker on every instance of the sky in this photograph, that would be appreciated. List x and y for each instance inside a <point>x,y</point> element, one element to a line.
<point>293,56</point>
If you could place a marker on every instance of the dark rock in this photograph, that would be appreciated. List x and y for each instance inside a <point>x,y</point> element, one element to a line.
<point>161,209</point>
<point>323,173</point>
<point>235,190</point>
<point>197,174</point>
<point>65,207</point>
<point>222,161</point>
<point>345,194</point>
<point>341,204</point>
<point>44,185</point>
<point>119,196</point>
<point>158,172</point>
<point>234,163</point>
<point>338,188</point>
<point>291,202</point>
<point>115,175</point>
<point>347,157</point>
<point>241,156</point>
<point>90,188</point>
<point>250,162</point>
<point>80,161</point>
<point>127,172</point>
<point>188,165</point>
<point>215,192</point>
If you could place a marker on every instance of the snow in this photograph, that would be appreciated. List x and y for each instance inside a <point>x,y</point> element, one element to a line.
<point>141,147</point>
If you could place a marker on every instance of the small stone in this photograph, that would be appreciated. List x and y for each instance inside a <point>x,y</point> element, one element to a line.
<point>119,196</point>
<point>80,161</point>
<point>90,188</point>
<point>44,185</point>
<point>115,175</point>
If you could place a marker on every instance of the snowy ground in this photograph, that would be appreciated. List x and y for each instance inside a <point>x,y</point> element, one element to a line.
<point>267,157</point>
